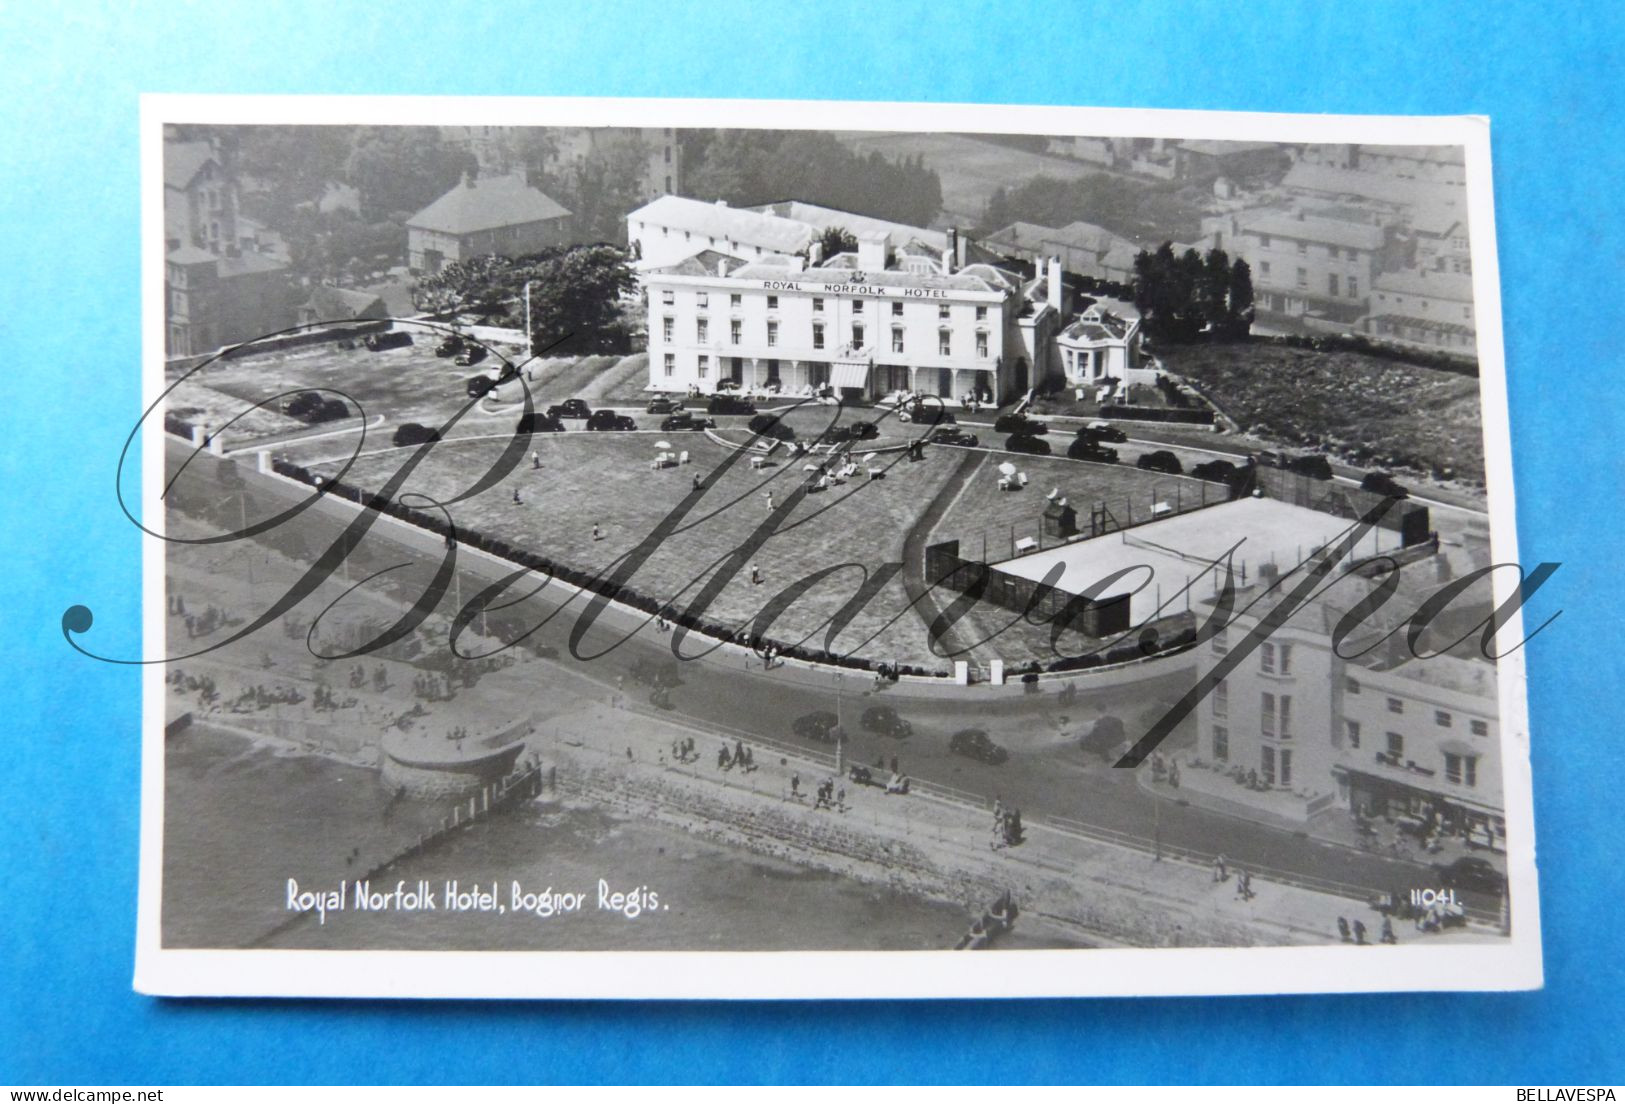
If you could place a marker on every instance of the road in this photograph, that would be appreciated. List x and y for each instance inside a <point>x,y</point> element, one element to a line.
<point>726,690</point>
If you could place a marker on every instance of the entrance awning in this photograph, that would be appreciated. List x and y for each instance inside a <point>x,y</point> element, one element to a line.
<point>849,375</point>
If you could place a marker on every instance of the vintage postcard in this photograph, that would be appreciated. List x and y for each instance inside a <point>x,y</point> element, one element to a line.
<point>744,549</point>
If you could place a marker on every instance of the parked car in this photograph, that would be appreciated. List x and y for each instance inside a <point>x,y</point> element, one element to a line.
<point>390,339</point>
<point>571,408</point>
<point>537,422</point>
<point>883,720</point>
<point>413,433</point>
<point>929,411</point>
<point>863,775</point>
<point>471,354</point>
<point>663,404</point>
<point>1160,461</point>
<point>311,407</point>
<point>818,726</point>
<point>480,386</point>
<point>729,404</point>
<point>1470,873</point>
<point>1313,464</point>
<point>1382,483</point>
<point>1215,471</point>
<point>953,437</point>
<point>682,420</point>
<point>974,743</point>
<point>1269,458</point>
<point>1036,446</point>
<point>1087,448</point>
<point>1020,424</point>
<point>865,431</point>
<point>603,420</point>
<point>1104,431</point>
<point>450,345</point>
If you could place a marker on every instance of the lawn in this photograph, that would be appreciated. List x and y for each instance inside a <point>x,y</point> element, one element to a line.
<point>1369,411</point>
<point>604,479</point>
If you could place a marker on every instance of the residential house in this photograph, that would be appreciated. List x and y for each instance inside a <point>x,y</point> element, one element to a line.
<point>500,215</point>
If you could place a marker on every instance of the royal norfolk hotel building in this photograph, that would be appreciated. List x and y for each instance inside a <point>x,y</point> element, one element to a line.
<point>892,316</point>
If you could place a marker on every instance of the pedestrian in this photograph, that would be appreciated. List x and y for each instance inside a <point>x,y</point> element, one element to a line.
<point>597,533</point>
<point>1343,930</point>
<point>1219,871</point>
<point>769,497</point>
<point>755,575</point>
<point>1388,931</point>
<point>1359,933</point>
<point>516,501</point>
<point>894,764</point>
<point>696,481</point>
<point>535,460</point>
<point>1241,884</point>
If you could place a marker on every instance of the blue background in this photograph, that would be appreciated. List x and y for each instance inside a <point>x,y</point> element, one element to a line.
<point>1547,75</point>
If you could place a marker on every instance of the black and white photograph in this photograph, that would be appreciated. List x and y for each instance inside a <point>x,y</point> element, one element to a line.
<point>890,550</point>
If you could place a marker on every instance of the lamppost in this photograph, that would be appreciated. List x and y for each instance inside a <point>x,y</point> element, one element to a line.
<point>530,341</point>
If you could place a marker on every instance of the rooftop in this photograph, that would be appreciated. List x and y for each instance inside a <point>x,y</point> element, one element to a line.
<point>822,218</point>
<point>247,264</point>
<point>1217,148</point>
<point>1453,286</point>
<point>725,223</point>
<point>333,303</point>
<point>1442,155</point>
<point>487,203</point>
<point>1304,227</point>
<point>1331,180</point>
<point>184,160</point>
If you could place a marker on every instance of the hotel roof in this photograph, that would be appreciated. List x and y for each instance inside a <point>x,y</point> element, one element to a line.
<point>487,203</point>
<point>1285,224</point>
<point>724,223</point>
<point>822,218</point>
<point>1439,285</point>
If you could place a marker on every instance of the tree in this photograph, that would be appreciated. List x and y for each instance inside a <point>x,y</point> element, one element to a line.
<point>1105,737</point>
<point>576,295</point>
<point>1241,298</point>
<point>479,285</point>
<point>602,187</point>
<point>836,240</point>
<point>400,170</point>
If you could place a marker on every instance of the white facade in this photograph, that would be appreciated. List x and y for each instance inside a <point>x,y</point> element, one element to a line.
<point>1100,347</point>
<point>672,228</point>
<point>851,325</point>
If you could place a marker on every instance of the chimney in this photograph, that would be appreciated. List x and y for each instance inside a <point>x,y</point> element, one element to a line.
<point>815,254</point>
<point>722,266</point>
<point>950,256</point>
<point>1055,283</point>
<point>872,251</point>
<point>961,247</point>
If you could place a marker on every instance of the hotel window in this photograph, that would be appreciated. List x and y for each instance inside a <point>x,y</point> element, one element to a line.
<point>1303,249</point>
<point>1396,706</point>
<point>1266,764</point>
<point>818,303</point>
<point>1266,711</point>
<point>897,310</point>
<point>981,314</point>
<point>981,344</point>
<point>897,339</point>
<point>705,367</point>
<point>1285,655</point>
<point>1353,733</point>
<point>688,235</point>
<point>1396,744</point>
<point>772,302</point>
<point>665,231</point>
<point>1263,241</point>
<point>702,299</point>
<point>1286,716</point>
<point>734,328</point>
<point>857,306</point>
<point>1352,686</point>
<point>1286,766</point>
<point>942,310</point>
<point>1442,719</point>
<point>735,300</point>
<point>1331,284</point>
<point>1221,699</point>
<point>668,297</point>
<point>702,330</point>
<point>1303,277</point>
<point>1263,268</point>
<point>668,329</point>
<point>945,342</point>
<point>772,333</point>
<point>671,364</point>
<point>857,336</point>
<point>668,155</point>
<point>1221,743</point>
<point>1479,728</point>
<point>818,335</point>
<point>1354,287</point>
<point>1266,658</point>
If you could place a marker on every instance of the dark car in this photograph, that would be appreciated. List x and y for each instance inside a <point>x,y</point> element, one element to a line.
<point>480,386</point>
<point>1160,461</point>
<point>1470,873</point>
<point>818,726</point>
<point>973,743</point>
<point>536,422</point>
<point>604,420</point>
<point>570,408</point>
<point>684,419</point>
<point>865,431</point>
<point>1269,458</point>
<point>1215,471</point>
<point>884,721</point>
<point>953,437</point>
<point>929,412</point>
<point>310,407</point>
<point>1104,431</point>
<point>413,433</point>
<point>394,339</point>
<point>1087,448</point>
<point>663,404</point>
<point>863,775</point>
<point>729,404</point>
<point>450,345</point>
<point>1020,424</point>
<point>1384,484</point>
<point>471,354</point>
<point>1035,446</point>
<point>1312,464</point>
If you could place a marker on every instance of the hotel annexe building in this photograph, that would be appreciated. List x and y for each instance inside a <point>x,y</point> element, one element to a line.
<point>923,322</point>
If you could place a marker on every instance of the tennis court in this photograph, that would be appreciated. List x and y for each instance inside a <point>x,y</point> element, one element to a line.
<point>1179,550</point>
